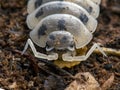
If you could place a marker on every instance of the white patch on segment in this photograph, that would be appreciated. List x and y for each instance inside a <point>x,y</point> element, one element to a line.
<point>31,6</point>
<point>31,21</point>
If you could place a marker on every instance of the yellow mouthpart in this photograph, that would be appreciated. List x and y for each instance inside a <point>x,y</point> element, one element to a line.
<point>63,64</point>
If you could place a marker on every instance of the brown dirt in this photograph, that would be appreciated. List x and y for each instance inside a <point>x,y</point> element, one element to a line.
<point>19,72</point>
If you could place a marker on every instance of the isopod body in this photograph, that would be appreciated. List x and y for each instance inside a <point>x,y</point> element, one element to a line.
<point>62,25</point>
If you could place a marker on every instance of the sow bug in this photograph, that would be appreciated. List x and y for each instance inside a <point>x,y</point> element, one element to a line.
<point>62,26</point>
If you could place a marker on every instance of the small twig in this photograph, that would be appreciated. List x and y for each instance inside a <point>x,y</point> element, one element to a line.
<point>34,64</point>
<point>48,72</point>
<point>117,74</point>
<point>115,9</point>
<point>31,58</point>
<point>108,51</point>
<point>48,63</point>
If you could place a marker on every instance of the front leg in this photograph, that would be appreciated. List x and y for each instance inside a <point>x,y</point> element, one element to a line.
<point>53,56</point>
<point>68,57</point>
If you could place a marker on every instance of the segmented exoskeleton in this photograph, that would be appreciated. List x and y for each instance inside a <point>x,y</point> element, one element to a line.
<point>62,25</point>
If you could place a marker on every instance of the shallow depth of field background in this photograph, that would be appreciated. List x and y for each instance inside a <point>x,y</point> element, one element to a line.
<point>19,73</point>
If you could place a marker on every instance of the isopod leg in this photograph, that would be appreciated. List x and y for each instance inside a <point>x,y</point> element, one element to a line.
<point>68,57</point>
<point>53,56</point>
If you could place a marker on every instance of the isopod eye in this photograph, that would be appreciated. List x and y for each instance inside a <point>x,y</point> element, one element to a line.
<point>52,37</point>
<point>64,38</point>
<point>71,47</point>
<point>48,47</point>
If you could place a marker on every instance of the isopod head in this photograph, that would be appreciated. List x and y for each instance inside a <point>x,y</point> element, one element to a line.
<point>60,40</point>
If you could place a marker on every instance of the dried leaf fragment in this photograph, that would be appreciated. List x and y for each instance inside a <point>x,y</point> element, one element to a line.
<point>107,84</point>
<point>84,81</point>
<point>13,86</point>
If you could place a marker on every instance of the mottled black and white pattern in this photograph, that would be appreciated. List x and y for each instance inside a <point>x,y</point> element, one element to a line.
<point>75,16</point>
<point>90,5</point>
<point>61,27</point>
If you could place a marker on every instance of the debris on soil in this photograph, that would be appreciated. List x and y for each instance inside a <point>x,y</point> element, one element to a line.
<point>85,81</point>
<point>54,83</point>
<point>109,51</point>
<point>107,84</point>
<point>27,73</point>
<point>63,64</point>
